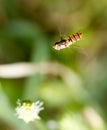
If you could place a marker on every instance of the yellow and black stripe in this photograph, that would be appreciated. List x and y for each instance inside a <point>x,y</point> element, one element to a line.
<point>74,37</point>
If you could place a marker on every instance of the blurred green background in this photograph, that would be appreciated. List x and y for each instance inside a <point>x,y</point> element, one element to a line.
<point>72,82</point>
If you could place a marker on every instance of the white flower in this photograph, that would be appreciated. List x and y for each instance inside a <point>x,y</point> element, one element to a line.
<point>28,111</point>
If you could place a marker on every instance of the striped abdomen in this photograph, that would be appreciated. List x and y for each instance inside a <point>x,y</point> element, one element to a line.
<point>74,37</point>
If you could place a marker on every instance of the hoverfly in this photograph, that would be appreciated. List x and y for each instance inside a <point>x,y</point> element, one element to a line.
<point>65,43</point>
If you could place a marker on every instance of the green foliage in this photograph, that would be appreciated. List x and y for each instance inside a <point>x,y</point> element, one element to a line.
<point>73,85</point>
